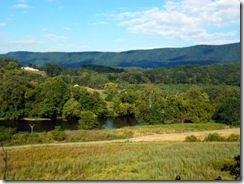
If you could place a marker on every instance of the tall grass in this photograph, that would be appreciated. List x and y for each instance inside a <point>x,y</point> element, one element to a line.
<point>123,161</point>
<point>100,135</point>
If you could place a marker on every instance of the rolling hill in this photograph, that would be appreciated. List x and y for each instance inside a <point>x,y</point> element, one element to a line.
<point>199,54</point>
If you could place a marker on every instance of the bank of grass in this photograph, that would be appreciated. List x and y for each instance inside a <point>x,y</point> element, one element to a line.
<point>174,128</point>
<point>123,161</point>
<point>106,134</point>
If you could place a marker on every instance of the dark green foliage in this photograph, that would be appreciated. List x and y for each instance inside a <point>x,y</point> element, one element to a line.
<point>195,74</point>
<point>53,94</point>
<point>52,69</point>
<point>201,54</point>
<point>229,111</point>
<point>149,116</point>
<point>9,64</point>
<point>235,169</point>
<point>90,101</point>
<point>58,134</point>
<point>103,69</point>
<point>214,137</point>
<point>149,106</point>
<point>191,138</point>
<point>197,105</point>
<point>6,134</point>
<point>153,96</point>
<point>109,97</point>
<point>88,121</point>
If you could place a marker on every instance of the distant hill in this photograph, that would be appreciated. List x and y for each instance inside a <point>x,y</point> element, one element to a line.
<point>200,54</point>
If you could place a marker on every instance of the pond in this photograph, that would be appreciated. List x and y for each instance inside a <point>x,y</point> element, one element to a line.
<point>48,125</point>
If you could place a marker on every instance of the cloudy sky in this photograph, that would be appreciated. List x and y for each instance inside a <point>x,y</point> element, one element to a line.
<point>116,25</point>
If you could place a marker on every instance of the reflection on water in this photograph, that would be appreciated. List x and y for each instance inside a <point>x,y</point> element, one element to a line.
<point>118,122</point>
<point>109,122</point>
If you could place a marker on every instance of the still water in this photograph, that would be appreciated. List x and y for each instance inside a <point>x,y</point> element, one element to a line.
<point>48,125</point>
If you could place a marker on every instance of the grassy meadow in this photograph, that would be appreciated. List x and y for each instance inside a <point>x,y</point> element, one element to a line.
<point>106,134</point>
<point>123,161</point>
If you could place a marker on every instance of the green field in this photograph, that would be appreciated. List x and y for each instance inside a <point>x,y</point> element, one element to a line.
<point>123,161</point>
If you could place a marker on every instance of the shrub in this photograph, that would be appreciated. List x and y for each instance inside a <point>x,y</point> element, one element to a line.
<point>109,97</point>
<point>233,138</point>
<point>88,121</point>
<point>58,134</point>
<point>234,169</point>
<point>6,133</point>
<point>192,138</point>
<point>214,137</point>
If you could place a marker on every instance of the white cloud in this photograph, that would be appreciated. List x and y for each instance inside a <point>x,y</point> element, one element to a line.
<point>20,43</point>
<point>67,28</point>
<point>186,20</point>
<point>2,24</point>
<point>54,37</point>
<point>21,6</point>
<point>100,23</point>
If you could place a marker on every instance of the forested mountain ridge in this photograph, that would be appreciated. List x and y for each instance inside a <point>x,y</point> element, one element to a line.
<point>200,54</point>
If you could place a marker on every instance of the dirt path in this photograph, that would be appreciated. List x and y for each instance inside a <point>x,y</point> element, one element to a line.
<point>181,136</point>
<point>155,137</point>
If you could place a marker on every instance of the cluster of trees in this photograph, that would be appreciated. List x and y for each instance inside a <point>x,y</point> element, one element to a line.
<point>30,94</point>
<point>96,76</point>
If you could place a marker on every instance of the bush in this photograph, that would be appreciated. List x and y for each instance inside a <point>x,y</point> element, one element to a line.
<point>214,137</point>
<point>88,121</point>
<point>192,138</point>
<point>58,134</point>
<point>6,133</point>
<point>109,97</point>
<point>233,138</point>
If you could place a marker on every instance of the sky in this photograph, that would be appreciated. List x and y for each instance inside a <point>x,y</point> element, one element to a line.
<point>116,25</point>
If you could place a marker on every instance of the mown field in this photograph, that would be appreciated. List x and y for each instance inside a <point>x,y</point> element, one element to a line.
<point>123,161</point>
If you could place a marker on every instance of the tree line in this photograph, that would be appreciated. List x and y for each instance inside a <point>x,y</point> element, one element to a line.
<point>190,94</point>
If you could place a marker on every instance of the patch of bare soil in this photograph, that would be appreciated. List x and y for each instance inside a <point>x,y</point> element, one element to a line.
<point>181,136</point>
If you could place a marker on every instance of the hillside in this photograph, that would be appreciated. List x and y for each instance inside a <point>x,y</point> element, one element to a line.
<point>200,54</point>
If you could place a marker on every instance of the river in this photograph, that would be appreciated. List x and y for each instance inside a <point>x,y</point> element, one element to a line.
<point>48,125</point>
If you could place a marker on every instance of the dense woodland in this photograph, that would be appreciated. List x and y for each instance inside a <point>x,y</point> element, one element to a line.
<point>152,58</point>
<point>173,94</point>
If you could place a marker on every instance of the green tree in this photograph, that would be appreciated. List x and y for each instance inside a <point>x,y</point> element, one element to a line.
<point>53,94</point>
<point>197,105</point>
<point>90,101</point>
<point>110,88</point>
<point>149,106</point>
<point>174,110</point>
<point>52,69</point>
<point>88,121</point>
<point>12,98</point>
<point>125,109</point>
<point>71,109</point>
<point>229,111</point>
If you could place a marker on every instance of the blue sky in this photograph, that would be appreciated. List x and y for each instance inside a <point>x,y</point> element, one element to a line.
<point>116,25</point>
